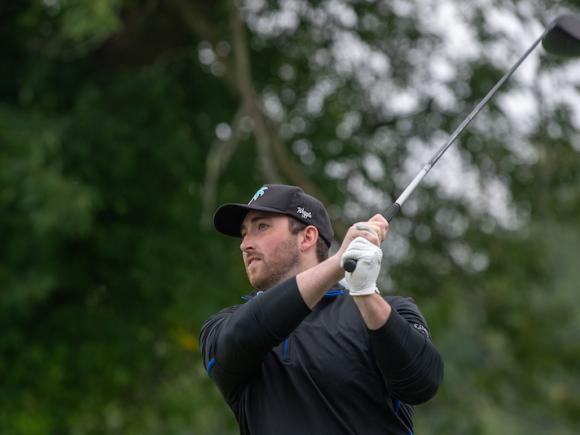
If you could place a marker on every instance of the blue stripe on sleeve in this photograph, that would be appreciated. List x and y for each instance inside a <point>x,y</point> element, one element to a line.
<point>210,365</point>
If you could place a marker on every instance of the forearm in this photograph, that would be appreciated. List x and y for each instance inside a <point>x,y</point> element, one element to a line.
<point>374,309</point>
<point>316,281</point>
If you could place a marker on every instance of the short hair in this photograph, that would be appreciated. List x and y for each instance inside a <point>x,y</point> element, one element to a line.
<point>295,226</point>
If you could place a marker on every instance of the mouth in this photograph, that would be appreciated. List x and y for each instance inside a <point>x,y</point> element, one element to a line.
<point>251,260</point>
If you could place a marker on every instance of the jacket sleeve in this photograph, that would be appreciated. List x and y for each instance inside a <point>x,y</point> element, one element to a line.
<point>410,363</point>
<point>235,341</point>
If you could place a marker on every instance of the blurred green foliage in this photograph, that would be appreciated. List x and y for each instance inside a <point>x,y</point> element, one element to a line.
<point>123,123</point>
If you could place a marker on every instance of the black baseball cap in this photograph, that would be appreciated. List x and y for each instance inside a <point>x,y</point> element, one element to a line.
<point>276,198</point>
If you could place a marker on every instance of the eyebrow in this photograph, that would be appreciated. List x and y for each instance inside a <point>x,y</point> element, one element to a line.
<point>254,219</point>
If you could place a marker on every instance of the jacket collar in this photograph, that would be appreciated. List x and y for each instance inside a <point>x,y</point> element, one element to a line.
<point>337,290</point>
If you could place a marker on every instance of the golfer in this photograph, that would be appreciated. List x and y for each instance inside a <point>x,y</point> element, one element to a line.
<point>306,354</point>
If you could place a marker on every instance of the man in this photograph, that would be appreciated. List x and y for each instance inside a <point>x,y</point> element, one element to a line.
<point>303,354</point>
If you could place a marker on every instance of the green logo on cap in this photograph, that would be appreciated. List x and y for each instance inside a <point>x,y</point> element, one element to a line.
<point>259,193</point>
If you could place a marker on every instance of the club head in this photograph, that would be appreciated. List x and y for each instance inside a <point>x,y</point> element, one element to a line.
<point>563,37</point>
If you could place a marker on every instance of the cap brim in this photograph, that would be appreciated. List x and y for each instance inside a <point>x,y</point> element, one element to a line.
<point>229,217</point>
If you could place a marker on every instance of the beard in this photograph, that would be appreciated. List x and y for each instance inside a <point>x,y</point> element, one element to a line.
<point>282,264</point>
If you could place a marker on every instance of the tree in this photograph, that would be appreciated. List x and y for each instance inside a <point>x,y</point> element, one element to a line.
<point>124,123</point>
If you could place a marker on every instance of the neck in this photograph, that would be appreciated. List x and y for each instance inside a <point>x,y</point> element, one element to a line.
<point>304,264</point>
<point>308,263</point>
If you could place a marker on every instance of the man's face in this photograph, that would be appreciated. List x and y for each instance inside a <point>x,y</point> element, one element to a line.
<point>270,252</point>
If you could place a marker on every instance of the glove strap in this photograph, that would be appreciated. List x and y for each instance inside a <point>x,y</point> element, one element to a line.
<point>365,292</point>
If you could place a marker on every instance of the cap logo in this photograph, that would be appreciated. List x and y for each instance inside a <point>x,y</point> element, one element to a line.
<point>305,214</point>
<point>260,192</point>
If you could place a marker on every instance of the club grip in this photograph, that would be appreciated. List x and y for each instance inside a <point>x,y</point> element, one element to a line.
<point>350,264</point>
<point>392,211</point>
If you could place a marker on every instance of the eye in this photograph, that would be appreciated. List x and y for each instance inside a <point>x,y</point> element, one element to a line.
<point>262,226</point>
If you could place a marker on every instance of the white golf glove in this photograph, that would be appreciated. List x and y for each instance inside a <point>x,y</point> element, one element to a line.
<point>363,281</point>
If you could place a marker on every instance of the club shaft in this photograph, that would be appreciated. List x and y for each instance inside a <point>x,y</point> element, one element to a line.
<point>413,184</point>
<point>394,208</point>
<point>425,170</point>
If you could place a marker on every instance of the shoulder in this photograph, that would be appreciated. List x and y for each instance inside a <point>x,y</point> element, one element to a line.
<point>220,315</point>
<point>401,302</point>
<point>211,330</point>
<point>225,311</point>
<point>215,321</point>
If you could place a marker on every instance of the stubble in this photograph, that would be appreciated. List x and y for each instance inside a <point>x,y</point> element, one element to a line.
<point>280,266</point>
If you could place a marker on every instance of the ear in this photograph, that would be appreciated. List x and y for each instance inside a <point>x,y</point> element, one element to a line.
<point>309,237</point>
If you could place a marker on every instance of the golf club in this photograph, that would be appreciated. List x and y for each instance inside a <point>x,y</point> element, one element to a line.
<point>562,38</point>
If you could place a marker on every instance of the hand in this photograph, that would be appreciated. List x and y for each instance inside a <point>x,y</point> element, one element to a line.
<point>363,281</point>
<point>374,230</point>
<point>380,226</point>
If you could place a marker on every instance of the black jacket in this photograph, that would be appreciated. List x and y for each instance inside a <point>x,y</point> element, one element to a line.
<point>284,369</point>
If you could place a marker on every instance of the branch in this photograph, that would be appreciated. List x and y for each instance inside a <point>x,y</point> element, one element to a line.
<point>249,98</point>
<point>194,21</point>
<point>266,132</point>
<point>217,159</point>
<point>272,152</point>
<point>237,75</point>
<point>199,26</point>
<point>294,172</point>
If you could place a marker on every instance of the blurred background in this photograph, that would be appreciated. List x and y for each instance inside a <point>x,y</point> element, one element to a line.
<point>124,123</point>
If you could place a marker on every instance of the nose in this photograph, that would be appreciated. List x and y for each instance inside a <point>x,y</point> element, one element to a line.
<point>246,244</point>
